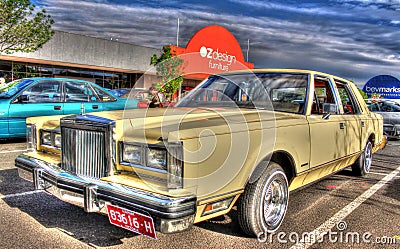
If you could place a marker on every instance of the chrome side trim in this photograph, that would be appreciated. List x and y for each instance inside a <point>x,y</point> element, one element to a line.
<point>94,190</point>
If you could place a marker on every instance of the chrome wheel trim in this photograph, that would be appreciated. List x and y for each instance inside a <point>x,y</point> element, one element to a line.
<point>274,201</point>
<point>368,157</point>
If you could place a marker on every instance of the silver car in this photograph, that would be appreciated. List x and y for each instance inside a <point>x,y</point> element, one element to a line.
<point>390,110</point>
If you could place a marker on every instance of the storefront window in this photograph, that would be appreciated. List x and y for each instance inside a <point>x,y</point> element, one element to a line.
<point>6,70</point>
<point>18,70</point>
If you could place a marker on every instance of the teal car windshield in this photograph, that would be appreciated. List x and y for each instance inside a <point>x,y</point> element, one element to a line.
<point>13,88</point>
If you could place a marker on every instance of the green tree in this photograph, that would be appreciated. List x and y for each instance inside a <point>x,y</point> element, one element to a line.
<point>363,94</point>
<point>21,28</point>
<point>169,71</point>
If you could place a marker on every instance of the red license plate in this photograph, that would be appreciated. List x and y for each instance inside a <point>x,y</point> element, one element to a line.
<point>131,221</point>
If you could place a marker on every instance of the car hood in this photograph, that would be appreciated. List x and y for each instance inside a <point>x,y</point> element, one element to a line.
<point>177,124</point>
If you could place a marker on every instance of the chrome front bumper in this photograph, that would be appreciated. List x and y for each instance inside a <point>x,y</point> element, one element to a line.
<point>392,131</point>
<point>169,214</point>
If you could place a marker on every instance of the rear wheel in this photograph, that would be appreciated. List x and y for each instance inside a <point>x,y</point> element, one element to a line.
<point>262,207</point>
<point>363,164</point>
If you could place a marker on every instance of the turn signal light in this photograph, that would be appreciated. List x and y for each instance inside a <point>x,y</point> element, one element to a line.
<point>217,206</point>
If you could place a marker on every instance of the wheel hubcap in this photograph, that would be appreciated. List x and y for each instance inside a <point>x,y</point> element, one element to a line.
<point>368,157</point>
<point>274,201</point>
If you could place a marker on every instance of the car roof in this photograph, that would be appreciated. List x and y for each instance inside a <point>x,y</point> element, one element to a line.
<point>282,70</point>
<point>60,79</point>
<point>397,101</point>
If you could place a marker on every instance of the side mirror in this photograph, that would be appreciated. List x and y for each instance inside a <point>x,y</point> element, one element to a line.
<point>328,109</point>
<point>23,98</point>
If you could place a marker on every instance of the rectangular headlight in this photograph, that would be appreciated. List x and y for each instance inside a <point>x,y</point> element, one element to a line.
<point>132,154</point>
<point>157,158</point>
<point>50,138</point>
<point>57,140</point>
<point>154,157</point>
<point>45,138</point>
<point>31,137</point>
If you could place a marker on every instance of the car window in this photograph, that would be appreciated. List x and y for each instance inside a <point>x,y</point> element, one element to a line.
<point>322,95</point>
<point>141,96</point>
<point>43,92</point>
<point>103,95</point>
<point>374,107</point>
<point>389,107</point>
<point>79,92</point>
<point>350,106</point>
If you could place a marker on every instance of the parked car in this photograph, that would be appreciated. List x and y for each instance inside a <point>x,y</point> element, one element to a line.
<point>238,139</point>
<point>390,111</point>
<point>31,97</point>
<point>120,91</point>
<point>141,95</point>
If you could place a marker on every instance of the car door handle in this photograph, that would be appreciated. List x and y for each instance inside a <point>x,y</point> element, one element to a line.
<point>342,125</point>
<point>57,107</point>
<point>95,106</point>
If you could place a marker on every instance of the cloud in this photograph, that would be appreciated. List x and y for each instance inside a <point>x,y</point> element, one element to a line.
<point>353,39</point>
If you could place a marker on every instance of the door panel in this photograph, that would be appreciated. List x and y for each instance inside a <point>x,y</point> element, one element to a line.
<point>79,96</point>
<point>352,143</point>
<point>18,113</point>
<point>76,107</point>
<point>41,99</point>
<point>327,139</point>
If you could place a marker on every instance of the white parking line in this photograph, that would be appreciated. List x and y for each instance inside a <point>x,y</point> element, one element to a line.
<point>21,194</point>
<point>339,216</point>
<point>381,174</point>
<point>12,151</point>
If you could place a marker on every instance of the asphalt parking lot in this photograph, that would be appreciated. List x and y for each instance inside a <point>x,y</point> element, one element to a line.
<point>344,210</point>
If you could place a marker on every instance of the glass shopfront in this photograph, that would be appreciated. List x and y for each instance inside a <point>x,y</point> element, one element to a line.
<point>11,70</point>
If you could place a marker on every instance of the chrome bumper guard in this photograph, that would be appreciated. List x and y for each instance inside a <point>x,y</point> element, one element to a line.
<point>170,214</point>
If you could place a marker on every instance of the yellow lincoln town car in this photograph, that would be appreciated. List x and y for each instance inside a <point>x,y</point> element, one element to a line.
<point>243,139</point>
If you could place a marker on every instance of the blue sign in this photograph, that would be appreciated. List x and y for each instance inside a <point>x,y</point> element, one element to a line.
<point>385,85</point>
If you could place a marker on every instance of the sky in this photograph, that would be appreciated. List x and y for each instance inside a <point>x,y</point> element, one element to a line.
<point>353,39</point>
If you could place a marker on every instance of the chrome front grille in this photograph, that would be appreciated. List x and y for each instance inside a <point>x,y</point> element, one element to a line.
<point>84,152</point>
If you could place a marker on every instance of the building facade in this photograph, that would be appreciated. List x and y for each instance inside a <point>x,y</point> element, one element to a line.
<point>108,63</point>
<point>113,64</point>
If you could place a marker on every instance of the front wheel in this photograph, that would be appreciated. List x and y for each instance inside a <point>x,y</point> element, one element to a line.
<point>262,207</point>
<point>363,164</point>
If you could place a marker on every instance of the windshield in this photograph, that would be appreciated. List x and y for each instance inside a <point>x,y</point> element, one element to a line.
<point>13,88</point>
<point>378,105</point>
<point>285,92</point>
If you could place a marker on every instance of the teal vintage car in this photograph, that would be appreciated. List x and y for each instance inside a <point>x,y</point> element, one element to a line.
<point>31,97</point>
